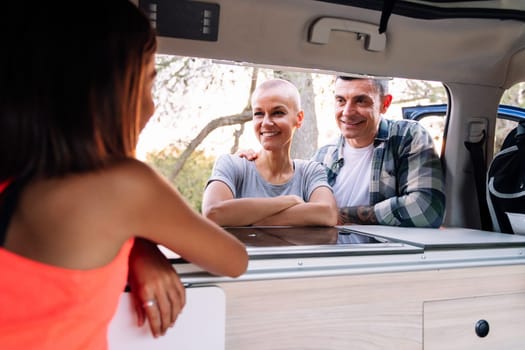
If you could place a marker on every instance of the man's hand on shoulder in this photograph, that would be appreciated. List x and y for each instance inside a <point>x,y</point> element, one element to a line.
<point>249,154</point>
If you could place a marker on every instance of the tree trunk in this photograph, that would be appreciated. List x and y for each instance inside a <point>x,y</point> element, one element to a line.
<point>304,143</point>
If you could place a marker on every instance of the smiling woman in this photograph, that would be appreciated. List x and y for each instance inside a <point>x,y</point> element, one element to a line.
<point>272,189</point>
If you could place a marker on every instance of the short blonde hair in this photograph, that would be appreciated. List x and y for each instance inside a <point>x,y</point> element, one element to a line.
<point>287,87</point>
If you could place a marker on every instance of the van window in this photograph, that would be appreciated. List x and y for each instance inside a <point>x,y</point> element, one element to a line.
<point>514,97</point>
<point>202,111</point>
<point>413,95</point>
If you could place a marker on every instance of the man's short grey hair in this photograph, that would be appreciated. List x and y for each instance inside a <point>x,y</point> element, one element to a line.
<point>380,84</point>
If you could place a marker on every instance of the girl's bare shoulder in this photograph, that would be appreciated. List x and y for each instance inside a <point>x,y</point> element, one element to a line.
<point>120,183</point>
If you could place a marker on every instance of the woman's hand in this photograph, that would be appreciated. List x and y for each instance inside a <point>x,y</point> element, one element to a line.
<point>156,288</point>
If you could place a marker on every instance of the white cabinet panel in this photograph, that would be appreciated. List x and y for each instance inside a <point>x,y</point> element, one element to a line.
<point>201,325</point>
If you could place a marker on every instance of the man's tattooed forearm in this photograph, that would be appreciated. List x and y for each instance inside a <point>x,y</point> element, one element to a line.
<point>357,215</point>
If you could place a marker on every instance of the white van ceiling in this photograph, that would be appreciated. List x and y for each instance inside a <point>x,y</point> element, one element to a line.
<point>474,42</point>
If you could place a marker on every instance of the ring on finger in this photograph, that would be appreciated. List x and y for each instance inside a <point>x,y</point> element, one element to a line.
<point>149,303</point>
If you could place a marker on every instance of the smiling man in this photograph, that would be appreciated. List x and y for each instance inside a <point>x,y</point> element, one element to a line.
<point>382,171</point>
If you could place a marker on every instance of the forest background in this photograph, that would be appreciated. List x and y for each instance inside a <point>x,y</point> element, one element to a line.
<point>203,110</point>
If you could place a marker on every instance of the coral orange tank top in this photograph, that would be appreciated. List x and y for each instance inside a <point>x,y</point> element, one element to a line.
<point>47,307</point>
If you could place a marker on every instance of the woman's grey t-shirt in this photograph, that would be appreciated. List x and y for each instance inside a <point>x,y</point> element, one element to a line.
<point>243,179</point>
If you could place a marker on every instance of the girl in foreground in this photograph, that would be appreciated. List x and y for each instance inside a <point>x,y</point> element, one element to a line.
<point>75,93</point>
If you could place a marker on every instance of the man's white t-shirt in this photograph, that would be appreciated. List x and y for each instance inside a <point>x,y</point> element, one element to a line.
<point>352,184</point>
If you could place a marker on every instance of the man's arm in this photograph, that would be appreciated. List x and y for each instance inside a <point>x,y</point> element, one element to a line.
<point>357,215</point>
<point>414,193</point>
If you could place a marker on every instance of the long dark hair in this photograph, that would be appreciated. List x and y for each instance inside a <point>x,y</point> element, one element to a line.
<point>70,85</point>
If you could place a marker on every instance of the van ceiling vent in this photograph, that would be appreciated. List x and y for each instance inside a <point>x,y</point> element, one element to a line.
<point>195,20</point>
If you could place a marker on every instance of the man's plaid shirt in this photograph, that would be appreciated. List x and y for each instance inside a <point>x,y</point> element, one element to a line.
<point>407,184</point>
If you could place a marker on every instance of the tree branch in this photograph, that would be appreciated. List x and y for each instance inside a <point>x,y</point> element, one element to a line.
<point>241,118</point>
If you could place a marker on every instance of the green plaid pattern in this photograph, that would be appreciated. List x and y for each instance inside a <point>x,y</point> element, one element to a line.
<point>407,183</point>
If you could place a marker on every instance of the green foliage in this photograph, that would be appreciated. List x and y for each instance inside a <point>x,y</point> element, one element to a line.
<point>192,178</point>
<point>515,96</point>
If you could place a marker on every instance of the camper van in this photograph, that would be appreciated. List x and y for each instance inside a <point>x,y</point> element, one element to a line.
<point>459,286</point>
